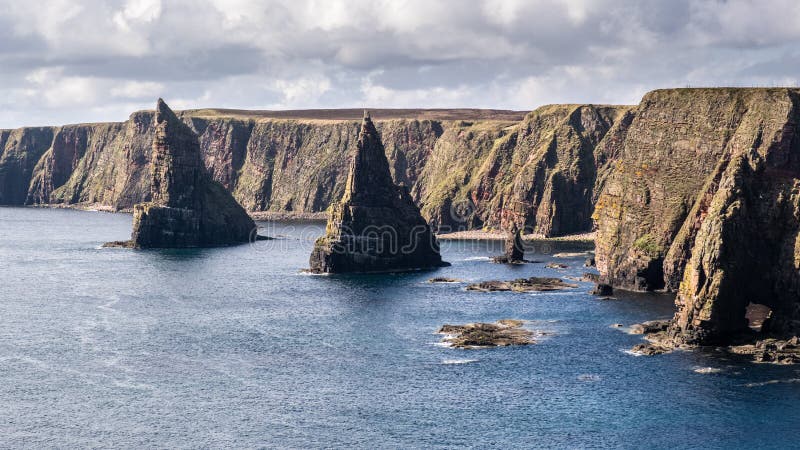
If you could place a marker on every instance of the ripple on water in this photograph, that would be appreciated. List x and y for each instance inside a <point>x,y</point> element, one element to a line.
<point>458,361</point>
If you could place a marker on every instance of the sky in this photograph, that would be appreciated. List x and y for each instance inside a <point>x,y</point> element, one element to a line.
<point>71,61</point>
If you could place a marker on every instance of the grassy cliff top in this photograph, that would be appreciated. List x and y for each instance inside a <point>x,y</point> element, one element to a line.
<point>357,114</point>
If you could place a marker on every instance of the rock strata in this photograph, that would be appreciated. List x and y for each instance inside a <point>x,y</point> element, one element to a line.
<point>375,227</point>
<point>532,284</point>
<point>704,200</point>
<point>188,208</point>
<point>476,335</point>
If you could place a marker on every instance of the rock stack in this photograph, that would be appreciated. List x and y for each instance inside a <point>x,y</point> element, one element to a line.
<point>375,227</point>
<point>514,248</point>
<point>188,208</point>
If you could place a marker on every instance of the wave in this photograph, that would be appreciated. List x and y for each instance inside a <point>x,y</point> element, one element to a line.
<point>459,361</point>
<point>588,377</point>
<point>478,258</point>
<point>765,383</point>
<point>706,370</point>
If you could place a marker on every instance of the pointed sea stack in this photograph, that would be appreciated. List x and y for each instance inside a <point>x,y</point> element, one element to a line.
<point>376,227</point>
<point>188,208</point>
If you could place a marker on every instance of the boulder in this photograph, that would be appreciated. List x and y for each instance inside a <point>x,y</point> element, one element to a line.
<point>602,290</point>
<point>375,227</point>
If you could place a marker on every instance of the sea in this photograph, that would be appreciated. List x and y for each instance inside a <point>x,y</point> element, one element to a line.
<point>238,347</point>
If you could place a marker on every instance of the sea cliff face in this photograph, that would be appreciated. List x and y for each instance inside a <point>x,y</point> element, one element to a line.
<point>465,169</point>
<point>704,199</point>
<point>693,191</point>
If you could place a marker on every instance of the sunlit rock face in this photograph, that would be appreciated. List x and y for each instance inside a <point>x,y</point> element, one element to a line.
<point>188,208</point>
<point>704,201</point>
<point>375,227</point>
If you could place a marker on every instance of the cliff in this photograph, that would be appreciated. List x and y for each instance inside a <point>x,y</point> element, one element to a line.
<point>188,208</point>
<point>460,165</point>
<point>703,198</point>
<point>539,174</point>
<point>375,227</point>
<point>693,191</point>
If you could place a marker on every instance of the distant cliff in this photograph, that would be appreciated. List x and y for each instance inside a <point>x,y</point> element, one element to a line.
<point>466,168</point>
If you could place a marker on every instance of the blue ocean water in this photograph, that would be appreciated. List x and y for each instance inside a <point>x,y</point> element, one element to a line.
<point>235,347</point>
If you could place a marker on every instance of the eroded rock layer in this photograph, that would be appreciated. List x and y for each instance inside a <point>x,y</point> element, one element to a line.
<point>188,208</point>
<point>376,227</point>
<point>704,199</point>
<point>465,169</point>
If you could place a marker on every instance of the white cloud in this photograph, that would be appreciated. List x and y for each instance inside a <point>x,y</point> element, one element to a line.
<point>68,61</point>
<point>137,11</point>
<point>137,89</point>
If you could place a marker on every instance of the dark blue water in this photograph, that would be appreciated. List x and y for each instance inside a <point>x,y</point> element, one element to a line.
<point>234,347</point>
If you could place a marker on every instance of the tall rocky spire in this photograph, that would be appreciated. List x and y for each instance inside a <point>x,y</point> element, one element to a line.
<point>376,227</point>
<point>188,208</point>
<point>369,181</point>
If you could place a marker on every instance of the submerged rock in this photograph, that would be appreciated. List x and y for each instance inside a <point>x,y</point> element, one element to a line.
<point>771,350</point>
<point>376,227</point>
<point>556,266</point>
<point>591,277</point>
<point>522,285</point>
<point>119,244</point>
<point>443,280</point>
<point>649,349</point>
<point>475,335</point>
<point>650,327</point>
<point>188,208</point>
<point>602,290</point>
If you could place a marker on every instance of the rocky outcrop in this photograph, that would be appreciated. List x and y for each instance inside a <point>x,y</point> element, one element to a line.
<point>375,227</point>
<point>704,200</point>
<point>188,208</point>
<point>477,335</point>
<point>532,284</point>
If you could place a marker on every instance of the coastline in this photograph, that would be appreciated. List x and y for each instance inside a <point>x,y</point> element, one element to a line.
<point>580,239</point>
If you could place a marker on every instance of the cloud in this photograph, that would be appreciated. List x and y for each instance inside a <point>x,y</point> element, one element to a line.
<point>68,61</point>
<point>137,90</point>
